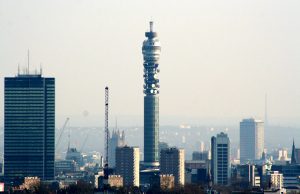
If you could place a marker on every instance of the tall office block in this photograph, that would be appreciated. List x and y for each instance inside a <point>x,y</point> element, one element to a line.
<point>151,52</point>
<point>128,165</point>
<point>29,121</point>
<point>117,139</point>
<point>172,162</point>
<point>251,139</point>
<point>220,159</point>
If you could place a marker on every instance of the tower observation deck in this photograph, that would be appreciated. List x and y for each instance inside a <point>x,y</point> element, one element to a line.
<point>151,52</point>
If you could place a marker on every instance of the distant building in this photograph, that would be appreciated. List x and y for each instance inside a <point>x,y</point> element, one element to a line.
<point>297,155</point>
<point>247,175</point>
<point>290,174</point>
<point>29,127</point>
<point>200,155</point>
<point>128,165</point>
<point>73,154</point>
<point>275,180</point>
<point>115,181</point>
<point>283,155</point>
<point>65,166</point>
<point>220,159</point>
<point>172,162</point>
<point>162,145</point>
<point>117,139</point>
<point>251,139</point>
<point>167,181</point>
<point>197,171</point>
<point>295,158</point>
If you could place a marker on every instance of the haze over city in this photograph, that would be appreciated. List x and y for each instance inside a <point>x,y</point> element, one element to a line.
<point>219,58</point>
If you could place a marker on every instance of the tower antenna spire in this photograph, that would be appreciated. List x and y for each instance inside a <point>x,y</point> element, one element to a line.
<point>151,26</point>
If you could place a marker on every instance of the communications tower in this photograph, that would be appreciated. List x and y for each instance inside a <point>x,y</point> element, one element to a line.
<point>151,53</point>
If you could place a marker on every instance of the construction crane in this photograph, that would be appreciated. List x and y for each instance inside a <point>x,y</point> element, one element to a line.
<point>106,127</point>
<point>61,132</point>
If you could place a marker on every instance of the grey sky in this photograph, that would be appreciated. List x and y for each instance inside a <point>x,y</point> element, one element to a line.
<point>219,58</point>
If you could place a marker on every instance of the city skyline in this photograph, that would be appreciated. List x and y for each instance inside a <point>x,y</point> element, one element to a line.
<point>202,70</point>
<point>232,60</point>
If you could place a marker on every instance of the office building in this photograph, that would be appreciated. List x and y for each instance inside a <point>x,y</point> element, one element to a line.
<point>172,162</point>
<point>151,53</point>
<point>117,139</point>
<point>197,171</point>
<point>275,179</point>
<point>290,172</point>
<point>251,139</point>
<point>247,175</point>
<point>220,159</point>
<point>128,165</point>
<point>29,124</point>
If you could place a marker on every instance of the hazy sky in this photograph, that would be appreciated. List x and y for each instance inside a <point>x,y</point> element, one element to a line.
<point>219,58</point>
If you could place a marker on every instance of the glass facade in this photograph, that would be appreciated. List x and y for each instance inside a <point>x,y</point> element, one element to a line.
<point>29,127</point>
<point>220,162</point>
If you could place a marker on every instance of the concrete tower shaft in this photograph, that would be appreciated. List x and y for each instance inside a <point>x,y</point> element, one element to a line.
<point>151,52</point>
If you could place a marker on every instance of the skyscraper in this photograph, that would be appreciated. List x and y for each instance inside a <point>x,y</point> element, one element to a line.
<point>29,127</point>
<point>128,165</point>
<point>251,139</point>
<point>151,52</point>
<point>172,162</point>
<point>117,139</point>
<point>220,159</point>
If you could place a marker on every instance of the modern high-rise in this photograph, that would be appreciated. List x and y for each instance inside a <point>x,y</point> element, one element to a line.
<point>128,165</point>
<point>117,139</point>
<point>29,127</point>
<point>220,159</point>
<point>172,162</point>
<point>251,139</point>
<point>151,52</point>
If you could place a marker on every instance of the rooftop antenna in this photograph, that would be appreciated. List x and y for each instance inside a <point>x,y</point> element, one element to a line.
<point>18,69</point>
<point>41,69</point>
<point>28,62</point>
<point>151,26</point>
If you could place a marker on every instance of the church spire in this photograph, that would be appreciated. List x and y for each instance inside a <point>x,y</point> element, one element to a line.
<point>293,159</point>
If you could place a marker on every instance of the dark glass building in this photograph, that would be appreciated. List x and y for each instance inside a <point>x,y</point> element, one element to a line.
<point>29,127</point>
<point>151,52</point>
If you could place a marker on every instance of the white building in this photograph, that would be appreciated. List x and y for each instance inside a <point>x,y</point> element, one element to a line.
<point>128,165</point>
<point>251,139</point>
<point>220,159</point>
<point>172,162</point>
<point>275,179</point>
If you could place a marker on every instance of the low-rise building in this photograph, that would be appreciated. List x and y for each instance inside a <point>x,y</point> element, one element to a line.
<point>167,181</point>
